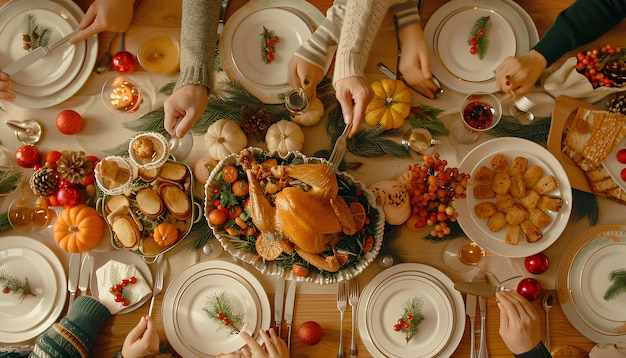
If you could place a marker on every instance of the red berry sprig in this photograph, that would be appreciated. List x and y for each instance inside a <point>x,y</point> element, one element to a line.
<point>411,318</point>
<point>118,290</point>
<point>268,42</point>
<point>478,39</point>
<point>432,187</point>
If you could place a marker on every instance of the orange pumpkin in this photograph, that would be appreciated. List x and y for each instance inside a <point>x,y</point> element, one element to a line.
<point>78,228</point>
<point>165,234</point>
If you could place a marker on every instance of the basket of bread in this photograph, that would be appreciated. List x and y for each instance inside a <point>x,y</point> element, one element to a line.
<point>152,211</point>
<point>293,216</point>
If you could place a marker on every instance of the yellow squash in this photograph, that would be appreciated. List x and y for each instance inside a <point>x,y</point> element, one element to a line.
<point>391,104</point>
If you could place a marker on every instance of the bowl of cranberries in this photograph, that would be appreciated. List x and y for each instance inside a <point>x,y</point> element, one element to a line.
<point>480,112</point>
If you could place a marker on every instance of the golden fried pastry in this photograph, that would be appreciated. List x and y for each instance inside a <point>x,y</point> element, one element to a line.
<point>532,233</point>
<point>505,202</point>
<point>520,164</point>
<point>485,209</point>
<point>501,182</point>
<point>484,174</point>
<point>483,191</point>
<point>497,221</point>
<point>546,184</point>
<point>499,162</point>
<point>516,215</point>
<point>530,200</point>
<point>549,203</point>
<point>513,234</point>
<point>518,188</point>
<point>539,218</point>
<point>532,175</point>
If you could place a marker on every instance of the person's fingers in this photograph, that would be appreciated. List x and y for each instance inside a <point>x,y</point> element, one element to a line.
<point>252,343</point>
<point>138,330</point>
<point>84,34</point>
<point>171,118</point>
<point>90,15</point>
<point>309,86</point>
<point>346,107</point>
<point>292,74</point>
<point>245,352</point>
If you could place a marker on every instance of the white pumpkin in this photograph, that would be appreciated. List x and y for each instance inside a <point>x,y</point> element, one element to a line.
<point>223,138</point>
<point>312,116</point>
<point>392,196</point>
<point>284,137</point>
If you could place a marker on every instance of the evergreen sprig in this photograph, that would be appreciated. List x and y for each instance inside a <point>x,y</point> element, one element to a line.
<point>424,116</point>
<point>479,32</point>
<point>220,310</point>
<point>13,285</point>
<point>9,179</point>
<point>585,205</point>
<point>509,126</point>
<point>4,221</point>
<point>412,316</point>
<point>35,36</point>
<point>618,285</point>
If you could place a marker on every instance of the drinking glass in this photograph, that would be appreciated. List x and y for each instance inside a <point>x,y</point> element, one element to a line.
<point>296,101</point>
<point>463,255</point>
<point>27,215</point>
<point>479,112</point>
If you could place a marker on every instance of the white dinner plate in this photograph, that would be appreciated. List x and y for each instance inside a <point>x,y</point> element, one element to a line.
<point>531,28</point>
<point>240,44</point>
<point>20,256</point>
<point>25,313</point>
<point>614,167</point>
<point>589,280</point>
<point>386,306</point>
<point>380,306</point>
<point>60,74</point>
<point>189,329</point>
<point>448,30</point>
<point>126,257</point>
<point>595,252</point>
<point>476,228</point>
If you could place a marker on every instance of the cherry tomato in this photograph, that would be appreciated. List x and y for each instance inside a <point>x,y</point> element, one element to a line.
<point>621,156</point>
<point>623,174</point>
<point>240,187</point>
<point>217,217</point>
<point>230,174</point>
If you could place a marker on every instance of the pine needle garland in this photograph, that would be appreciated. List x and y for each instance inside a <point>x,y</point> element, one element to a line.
<point>4,221</point>
<point>11,284</point>
<point>509,126</point>
<point>9,179</point>
<point>585,205</point>
<point>618,285</point>
<point>220,310</point>
<point>411,318</point>
<point>424,116</point>
<point>478,36</point>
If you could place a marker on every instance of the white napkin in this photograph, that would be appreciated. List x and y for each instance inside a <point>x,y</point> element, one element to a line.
<point>567,81</point>
<point>617,350</point>
<point>112,273</point>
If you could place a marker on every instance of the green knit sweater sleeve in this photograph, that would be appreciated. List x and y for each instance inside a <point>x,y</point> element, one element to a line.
<point>75,334</point>
<point>198,40</point>
<point>579,24</point>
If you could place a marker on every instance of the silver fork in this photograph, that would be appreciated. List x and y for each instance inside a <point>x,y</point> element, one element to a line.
<point>342,304</point>
<point>525,105</point>
<point>340,147</point>
<point>353,299</point>
<point>158,284</point>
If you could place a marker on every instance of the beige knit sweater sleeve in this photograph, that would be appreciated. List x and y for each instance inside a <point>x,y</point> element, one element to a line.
<point>198,40</point>
<point>362,20</point>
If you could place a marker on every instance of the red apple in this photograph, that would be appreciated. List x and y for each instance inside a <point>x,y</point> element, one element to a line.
<point>27,156</point>
<point>310,333</point>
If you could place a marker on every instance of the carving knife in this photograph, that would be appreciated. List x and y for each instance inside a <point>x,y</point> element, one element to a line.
<point>72,277</point>
<point>289,303</point>
<point>279,296</point>
<point>85,273</point>
<point>470,311</point>
<point>36,55</point>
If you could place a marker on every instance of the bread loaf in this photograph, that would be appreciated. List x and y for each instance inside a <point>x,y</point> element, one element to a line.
<point>173,171</point>
<point>176,201</point>
<point>149,202</point>
<point>126,231</point>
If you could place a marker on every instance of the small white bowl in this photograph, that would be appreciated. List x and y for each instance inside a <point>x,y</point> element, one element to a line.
<point>111,186</point>
<point>159,52</point>
<point>148,150</point>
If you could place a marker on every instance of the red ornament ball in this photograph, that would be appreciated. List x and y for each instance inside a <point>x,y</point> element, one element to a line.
<point>27,156</point>
<point>124,62</point>
<point>310,333</point>
<point>529,288</point>
<point>537,263</point>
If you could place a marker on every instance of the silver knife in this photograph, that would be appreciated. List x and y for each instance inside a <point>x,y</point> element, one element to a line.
<point>482,305</point>
<point>470,311</point>
<point>85,273</point>
<point>481,289</point>
<point>36,55</point>
<point>289,303</point>
<point>279,296</point>
<point>72,277</point>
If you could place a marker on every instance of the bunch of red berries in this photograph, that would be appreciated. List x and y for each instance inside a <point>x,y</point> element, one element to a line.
<point>118,289</point>
<point>603,67</point>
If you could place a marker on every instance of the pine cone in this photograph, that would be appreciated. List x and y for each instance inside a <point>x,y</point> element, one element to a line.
<point>74,167</point>
<point>44,182</point>
<point>255,122</point>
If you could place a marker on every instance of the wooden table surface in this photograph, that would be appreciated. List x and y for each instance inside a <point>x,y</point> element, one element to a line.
<point>322,307</point>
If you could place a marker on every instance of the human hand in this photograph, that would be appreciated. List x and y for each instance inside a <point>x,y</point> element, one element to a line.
<point>5,87</point>
<point>305,75</point>
<point>516,76</point>
<point>141,340</point>
<point>104,15</point>
<point>185,105</point>
<point>275,347</point>
<point>519,322</point>
<point>354,94</point>
<point>414,62</point>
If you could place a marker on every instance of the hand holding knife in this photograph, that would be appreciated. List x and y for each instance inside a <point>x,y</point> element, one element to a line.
<point>35,55</point>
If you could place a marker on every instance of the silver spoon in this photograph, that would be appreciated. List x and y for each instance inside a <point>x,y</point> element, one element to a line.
<point>103,63</point>
<point>546,303</point>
